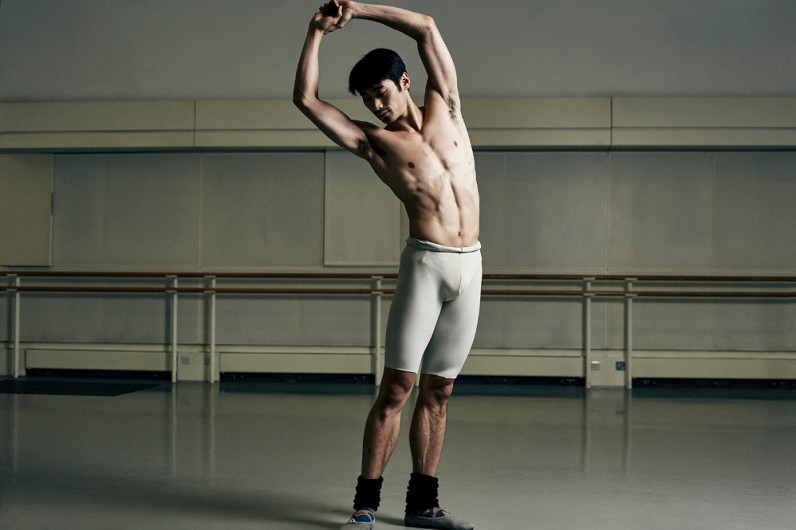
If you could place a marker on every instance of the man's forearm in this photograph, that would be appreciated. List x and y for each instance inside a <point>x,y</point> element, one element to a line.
<point>415,25</point>
<point>308,71</point>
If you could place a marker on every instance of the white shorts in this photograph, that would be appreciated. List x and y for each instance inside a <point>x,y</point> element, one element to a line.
<point>434,313</point>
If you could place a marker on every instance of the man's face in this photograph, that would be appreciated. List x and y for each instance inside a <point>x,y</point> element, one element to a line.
<point>385,100</point>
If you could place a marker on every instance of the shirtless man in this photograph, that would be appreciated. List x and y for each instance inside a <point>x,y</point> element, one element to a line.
<point>424,155</point>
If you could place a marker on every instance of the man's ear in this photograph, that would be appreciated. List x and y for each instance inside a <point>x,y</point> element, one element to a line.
<point>405,82</point>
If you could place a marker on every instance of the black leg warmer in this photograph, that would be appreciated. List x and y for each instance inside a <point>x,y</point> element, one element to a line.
<point>368,493</point>
<point>421,493</point>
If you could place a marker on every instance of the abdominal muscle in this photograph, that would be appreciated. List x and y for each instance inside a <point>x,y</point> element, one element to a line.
<point>442,235</point>
<point>448,217</point>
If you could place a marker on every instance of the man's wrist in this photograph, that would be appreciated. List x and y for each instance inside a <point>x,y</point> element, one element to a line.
<point>313,28</point>
<point>355,8</point>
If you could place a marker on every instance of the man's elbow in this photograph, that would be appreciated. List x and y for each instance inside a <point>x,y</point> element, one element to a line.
<point>428,25</point>
<point>300,99</point>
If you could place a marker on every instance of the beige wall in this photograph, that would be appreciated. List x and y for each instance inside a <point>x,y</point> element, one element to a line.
<point>663,142</point>
<point>580,212</point>
<point>587,212</point>
<point>25,201</point>
<point>85,50</point>
<point>584,185</point>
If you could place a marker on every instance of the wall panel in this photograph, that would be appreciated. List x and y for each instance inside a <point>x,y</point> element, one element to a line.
<point>95,318</point>
<point>26,184</point>
<point>661,211</point>
<point>362,222</point>
<point>262,210</point>
<point>756,325</point>
<point>755,224</point>
<point>543,211</point>
<point>126,211</point>
<point>294,321</point>
<point>530,323</point>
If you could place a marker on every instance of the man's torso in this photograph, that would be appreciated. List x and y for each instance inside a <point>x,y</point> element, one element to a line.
<point>432,171</point>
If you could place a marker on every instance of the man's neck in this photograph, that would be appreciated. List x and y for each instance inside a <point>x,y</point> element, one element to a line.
<point>411,120</point>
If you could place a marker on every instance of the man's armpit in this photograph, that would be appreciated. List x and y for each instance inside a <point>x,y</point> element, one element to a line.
<point>453,108</point>
<point>368,149</point>
<point>365,147</point>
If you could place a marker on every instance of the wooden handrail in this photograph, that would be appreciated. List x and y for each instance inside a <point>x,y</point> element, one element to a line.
<point>658,294</point>
<point>579,287</point>
<point>189,290</point>
<point>200,275</point>
<point>364,291</point>
<point>635,292</point>
<point>644,278</point>
<point>365,275</point>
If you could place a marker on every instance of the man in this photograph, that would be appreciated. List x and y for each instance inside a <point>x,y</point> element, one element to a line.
<point>425,157</point>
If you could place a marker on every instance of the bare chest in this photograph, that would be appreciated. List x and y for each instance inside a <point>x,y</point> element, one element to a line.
<point>416,164</point>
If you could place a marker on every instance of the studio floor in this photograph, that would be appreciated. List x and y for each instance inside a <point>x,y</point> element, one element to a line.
<point>285,456</point>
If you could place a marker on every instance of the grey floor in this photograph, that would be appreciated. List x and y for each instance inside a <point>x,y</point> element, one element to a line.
<point>196,456</point>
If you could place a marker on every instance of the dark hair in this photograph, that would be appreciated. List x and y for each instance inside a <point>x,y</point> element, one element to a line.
<point>377,65</point>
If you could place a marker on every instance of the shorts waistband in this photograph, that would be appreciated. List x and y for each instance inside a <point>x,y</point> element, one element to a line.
<point>422,244</point>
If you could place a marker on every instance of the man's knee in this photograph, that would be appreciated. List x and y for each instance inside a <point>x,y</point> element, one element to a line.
<point>393,397</point>
<point>435,390</point>
<point>396,386</point>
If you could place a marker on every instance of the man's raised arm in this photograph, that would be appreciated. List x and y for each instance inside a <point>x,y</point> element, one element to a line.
<point>422,28</point>
<point>328,118</point>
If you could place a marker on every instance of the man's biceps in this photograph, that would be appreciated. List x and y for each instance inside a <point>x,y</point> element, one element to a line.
<point>339,124</point>
<point>353,139</point>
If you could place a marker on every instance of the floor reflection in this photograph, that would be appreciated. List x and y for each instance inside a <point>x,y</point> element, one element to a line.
<point>195,455</point>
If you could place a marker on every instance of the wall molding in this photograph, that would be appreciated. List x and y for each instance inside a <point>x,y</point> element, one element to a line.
<point>727,122</point>
<point>511,123</point>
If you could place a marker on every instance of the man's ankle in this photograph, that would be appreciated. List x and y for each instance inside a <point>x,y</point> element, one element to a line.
<point>421,493</point>
<point>368,493</point>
